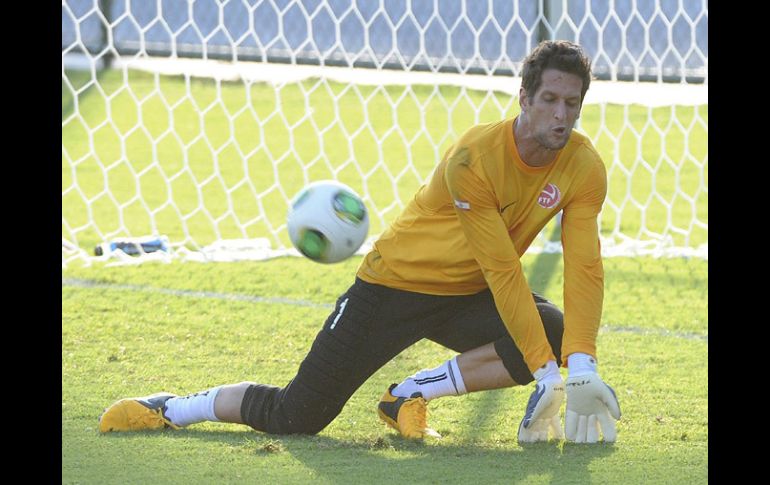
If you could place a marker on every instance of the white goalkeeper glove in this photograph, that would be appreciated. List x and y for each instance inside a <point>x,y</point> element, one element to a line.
<point>542,413</point>
<point>591,404</point>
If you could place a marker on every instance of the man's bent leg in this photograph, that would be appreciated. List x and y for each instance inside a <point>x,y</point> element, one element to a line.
<point>370,325</point>
<point>489,358</point>
<point>511,356</point>
<point>342,357</point>
<point>483,369</point>
<point>338,363</point>
<point>326,379</point>
<point>487,367</point>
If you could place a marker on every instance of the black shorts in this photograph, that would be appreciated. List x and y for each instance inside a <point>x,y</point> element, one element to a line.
<point>461,323</point>
<point>369,326</point>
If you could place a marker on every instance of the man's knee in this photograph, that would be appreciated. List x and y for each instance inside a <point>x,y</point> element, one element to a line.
<point>509,353</point>
<point>553,323</point>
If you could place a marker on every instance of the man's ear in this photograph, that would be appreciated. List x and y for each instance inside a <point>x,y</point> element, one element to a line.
<point>523,101</point>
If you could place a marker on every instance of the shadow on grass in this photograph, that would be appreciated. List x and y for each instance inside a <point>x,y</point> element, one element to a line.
<point>388,457</point>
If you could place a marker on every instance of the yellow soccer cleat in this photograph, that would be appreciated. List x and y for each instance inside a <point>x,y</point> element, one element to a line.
<point>407,415</point>
<point>137,413</point>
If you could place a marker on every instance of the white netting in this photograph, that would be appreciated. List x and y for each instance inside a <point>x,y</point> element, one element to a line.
<point>200,120</point>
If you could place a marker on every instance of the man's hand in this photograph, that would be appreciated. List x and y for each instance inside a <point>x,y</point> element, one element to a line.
<point>543,407</point>
<point>592,407</point>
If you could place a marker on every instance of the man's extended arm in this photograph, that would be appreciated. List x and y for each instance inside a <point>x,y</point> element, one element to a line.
<point>592,405</point>
<point>488,238</point>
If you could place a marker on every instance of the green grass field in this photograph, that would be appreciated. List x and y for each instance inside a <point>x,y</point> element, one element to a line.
<point>125,333</point>
<point>190,159</point>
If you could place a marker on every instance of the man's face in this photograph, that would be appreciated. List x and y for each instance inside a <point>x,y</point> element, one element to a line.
<point>554,108</point>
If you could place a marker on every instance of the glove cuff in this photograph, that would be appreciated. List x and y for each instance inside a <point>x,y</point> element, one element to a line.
<point>549,371</point>
<point>580,364</point>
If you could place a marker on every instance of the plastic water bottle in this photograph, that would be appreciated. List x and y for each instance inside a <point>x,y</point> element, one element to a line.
<point>134,246</point>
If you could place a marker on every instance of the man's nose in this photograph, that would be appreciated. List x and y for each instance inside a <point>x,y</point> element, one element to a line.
<point>560,112</point>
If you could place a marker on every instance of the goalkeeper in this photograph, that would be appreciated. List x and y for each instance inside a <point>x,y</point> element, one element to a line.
<point>448,269</point>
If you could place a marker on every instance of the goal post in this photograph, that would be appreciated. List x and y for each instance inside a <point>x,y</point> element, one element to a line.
<point>199,120</point>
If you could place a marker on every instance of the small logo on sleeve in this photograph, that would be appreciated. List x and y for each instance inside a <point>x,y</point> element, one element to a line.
<point>461,204</point>
<point>549,197</point>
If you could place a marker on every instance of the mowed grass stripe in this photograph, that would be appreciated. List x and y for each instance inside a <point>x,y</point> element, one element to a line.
<point>668,295</point>
<point>74,282</point>
<point>192,294</point>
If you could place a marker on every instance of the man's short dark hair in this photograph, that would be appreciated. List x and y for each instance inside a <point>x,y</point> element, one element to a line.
<point>555,54</point>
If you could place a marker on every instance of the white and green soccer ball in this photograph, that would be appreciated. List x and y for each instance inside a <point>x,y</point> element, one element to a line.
<point>327,221</point>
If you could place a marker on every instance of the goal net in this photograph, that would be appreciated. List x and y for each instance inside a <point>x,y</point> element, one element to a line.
<point>198,120</point>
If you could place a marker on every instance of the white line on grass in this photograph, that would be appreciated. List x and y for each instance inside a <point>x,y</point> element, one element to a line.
<point>658,332</point>
<point>81,283</point>
<point>190,293</point>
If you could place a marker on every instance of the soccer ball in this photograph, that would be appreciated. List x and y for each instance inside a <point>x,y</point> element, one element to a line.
<point>327,221</point>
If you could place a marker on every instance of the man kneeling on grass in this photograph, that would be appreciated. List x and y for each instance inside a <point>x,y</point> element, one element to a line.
<point>448,269</point>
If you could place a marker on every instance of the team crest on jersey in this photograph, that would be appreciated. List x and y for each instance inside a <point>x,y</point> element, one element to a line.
<point>549,197</point>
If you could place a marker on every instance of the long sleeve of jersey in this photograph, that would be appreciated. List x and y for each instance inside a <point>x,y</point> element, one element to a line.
<point>491,246</point>
<point>583,270</point>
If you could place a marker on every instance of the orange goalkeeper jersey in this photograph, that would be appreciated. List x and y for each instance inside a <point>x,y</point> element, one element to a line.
<point>465,231</point>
